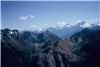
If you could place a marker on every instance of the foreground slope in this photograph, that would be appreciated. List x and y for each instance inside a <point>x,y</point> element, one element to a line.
<point>87,43</point>
<point>45,49</point>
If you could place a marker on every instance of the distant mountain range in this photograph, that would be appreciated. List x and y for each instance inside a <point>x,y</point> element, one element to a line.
<point>69,46</point>
<point>68,30</point>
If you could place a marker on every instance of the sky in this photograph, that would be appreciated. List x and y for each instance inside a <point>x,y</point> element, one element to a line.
<point>40,14</point>
<point>49,0</point>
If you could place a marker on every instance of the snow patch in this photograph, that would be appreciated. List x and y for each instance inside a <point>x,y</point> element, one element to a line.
<point>85,25</point>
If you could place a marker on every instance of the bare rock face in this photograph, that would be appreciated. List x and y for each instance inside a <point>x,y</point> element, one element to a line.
<point>56,54</point>
<point>89,46</point>
<point>29,49</point>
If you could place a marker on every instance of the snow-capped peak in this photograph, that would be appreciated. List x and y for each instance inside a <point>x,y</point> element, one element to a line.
<point>68,25</point>
<point>98,24</point>
<point>61,24</point>
<point>85,25</point>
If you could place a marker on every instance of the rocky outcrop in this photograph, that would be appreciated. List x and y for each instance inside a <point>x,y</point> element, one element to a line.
<point>56,54</point>
<point>30,49</point>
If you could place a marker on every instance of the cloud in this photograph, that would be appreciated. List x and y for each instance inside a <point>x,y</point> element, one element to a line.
<point>23,18</point>
<point>97,19</point>
<point>91,21</point>
<point>61,24</point>
<point>33,26</point>
<point>32,16</point>
<point>79,21</point>
<point>1,26</point>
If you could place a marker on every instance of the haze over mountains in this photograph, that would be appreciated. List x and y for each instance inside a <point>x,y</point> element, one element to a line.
<point>68,30</point>
<point>68,46</point>
<point>63,29</point>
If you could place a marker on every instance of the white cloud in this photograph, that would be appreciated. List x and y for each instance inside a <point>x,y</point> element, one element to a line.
<point>79,21</point>
<point>61,24</point>
<point>33,26</point>
<point>96,20</point>
<point>23,18</point>
<point>1,26</point>
<point>32,16</point>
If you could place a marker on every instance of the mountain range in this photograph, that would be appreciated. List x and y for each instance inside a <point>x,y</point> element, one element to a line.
<point>69,46</point>
<point>68,30</point>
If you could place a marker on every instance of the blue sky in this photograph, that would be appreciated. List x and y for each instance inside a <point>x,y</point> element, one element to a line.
<point>49,0</point>
<point>32,14</point>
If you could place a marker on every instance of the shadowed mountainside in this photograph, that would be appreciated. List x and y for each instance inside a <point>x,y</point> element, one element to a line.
<point>45,49</point>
